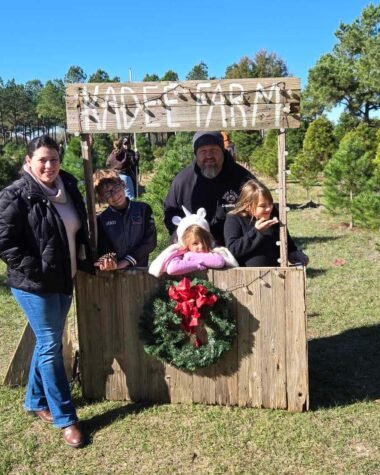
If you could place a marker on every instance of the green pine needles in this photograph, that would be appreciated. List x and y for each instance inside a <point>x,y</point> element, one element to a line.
<point>165,336</point>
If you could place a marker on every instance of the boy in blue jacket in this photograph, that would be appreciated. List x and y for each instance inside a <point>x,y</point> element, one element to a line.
<point>126,229</point>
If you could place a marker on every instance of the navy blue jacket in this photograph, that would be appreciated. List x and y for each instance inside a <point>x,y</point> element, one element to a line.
<point>131,233</point>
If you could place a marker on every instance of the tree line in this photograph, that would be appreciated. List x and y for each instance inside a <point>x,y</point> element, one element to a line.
<point>346,155</point>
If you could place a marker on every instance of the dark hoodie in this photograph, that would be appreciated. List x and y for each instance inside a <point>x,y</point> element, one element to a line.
<point>217,195</point>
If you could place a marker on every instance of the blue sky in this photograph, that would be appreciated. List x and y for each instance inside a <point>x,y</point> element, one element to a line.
<point>41,40</point>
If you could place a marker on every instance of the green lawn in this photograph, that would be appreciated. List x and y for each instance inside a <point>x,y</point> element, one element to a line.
<point>340,433</point>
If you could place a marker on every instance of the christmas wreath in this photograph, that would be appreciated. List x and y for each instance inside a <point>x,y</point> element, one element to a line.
<point>188,324</point>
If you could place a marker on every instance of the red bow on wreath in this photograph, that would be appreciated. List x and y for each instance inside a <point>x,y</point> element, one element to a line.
<point>190,299</point>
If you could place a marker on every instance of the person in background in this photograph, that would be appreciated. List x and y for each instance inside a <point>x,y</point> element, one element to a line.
<point>252,230</point>
<point>134,162</point>
<point>120,160</point>
<point>125,227</point>
<point>43,239</point>
<point>213,181</point>
<point>195,249</point>
<point>229,146</point>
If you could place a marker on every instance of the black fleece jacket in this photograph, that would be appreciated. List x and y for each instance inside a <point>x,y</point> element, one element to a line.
<point>217,195</point>
<point>253,248</point>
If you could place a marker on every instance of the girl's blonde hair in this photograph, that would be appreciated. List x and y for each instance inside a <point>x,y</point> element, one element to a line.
<point>199,233</point>
<point>250,195</point>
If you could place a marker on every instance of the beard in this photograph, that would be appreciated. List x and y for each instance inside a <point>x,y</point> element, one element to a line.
<point>210,171</point>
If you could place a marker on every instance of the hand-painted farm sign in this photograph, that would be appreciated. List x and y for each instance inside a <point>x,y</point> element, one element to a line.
<point>245,104</point>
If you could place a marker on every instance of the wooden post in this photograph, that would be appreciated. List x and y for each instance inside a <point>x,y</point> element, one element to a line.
<point>282,199</point>
<point>86,141</point>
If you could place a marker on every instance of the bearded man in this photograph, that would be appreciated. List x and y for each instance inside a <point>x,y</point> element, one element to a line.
<point>213,181</point>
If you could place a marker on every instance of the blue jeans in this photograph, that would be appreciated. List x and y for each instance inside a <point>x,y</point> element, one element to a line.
<point>129,188</point>
<point>48,387</point>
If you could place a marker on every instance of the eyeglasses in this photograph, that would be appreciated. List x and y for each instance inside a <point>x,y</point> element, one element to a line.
<point>112,191</point>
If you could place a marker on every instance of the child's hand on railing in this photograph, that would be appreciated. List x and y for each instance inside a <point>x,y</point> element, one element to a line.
<point>107,262</point>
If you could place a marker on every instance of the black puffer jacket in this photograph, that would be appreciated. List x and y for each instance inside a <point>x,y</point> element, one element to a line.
<point>33,240</point>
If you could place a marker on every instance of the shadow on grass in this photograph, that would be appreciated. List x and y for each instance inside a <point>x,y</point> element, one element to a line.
<point>313,315</point>
<point>98,422</point>
<point>293,206</point>
<point>304,241</point>
<point>304,205</point>
<point>345,368</point>
<point>312,272</point>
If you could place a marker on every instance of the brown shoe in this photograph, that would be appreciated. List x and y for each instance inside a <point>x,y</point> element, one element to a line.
<point>73,436</point>
<point>44,415</point>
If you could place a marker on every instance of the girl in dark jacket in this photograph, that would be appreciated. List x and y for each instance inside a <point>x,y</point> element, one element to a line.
<point>43,237</point>
<point>251,230</point>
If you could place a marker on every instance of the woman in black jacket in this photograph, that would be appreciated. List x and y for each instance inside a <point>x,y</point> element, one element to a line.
<point>251,230</point>
<point>43,238</point>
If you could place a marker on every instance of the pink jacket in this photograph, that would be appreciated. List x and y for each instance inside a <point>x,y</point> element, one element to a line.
<point>193,261</point>
<point>174,260</point>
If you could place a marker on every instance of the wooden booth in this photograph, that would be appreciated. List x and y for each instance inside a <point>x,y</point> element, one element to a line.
<point>267,365</point>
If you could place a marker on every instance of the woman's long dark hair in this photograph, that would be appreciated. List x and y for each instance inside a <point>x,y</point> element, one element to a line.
<point>42,141</point>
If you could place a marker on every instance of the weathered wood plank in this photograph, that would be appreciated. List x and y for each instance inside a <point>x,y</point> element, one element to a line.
<point>180,385</point>
<point>296,341</point>
<point>247,104</point>
<point>278,339</point>
<point>90,335</point>
<point>282,199</point>
<point>250,298</point>
<point>113,337</point>
<point>18,369</point>
<point>86,143</point>
<point>226,370</point>
<point>204,390</point>
<point>267,366</point>
<point>266,317</point>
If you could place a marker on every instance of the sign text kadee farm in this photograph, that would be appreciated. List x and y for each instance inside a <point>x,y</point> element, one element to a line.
<point>244,104</point>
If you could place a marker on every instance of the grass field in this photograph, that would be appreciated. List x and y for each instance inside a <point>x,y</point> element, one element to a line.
<point>339,435</point>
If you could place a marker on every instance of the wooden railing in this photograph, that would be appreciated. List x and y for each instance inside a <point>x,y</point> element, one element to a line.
<point>266,367</point>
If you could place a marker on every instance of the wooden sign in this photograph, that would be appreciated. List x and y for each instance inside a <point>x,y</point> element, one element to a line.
<point>243,104</point>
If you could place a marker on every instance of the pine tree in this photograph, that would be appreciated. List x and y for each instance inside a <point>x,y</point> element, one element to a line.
<point>12,156</point>
<point>72,161</point>
<point>306,168</point>
<point>366,207</point>
<point>102,146</point>
<point>177,156</point>
<point>265,158</point>
<point>144,148</point>
<point>351,170</point>
<point>245,143</point>
<point>319,140</point>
